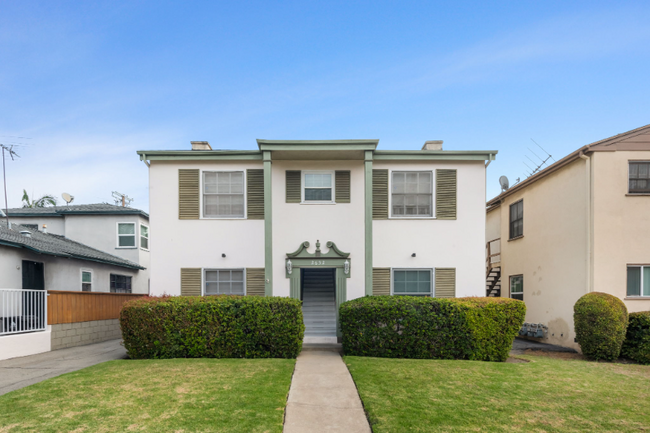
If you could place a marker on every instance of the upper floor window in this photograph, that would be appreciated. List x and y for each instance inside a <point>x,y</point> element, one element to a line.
<point>412,194</point>
<point>144,236</point>
<point>86,281</point>
<point>223,194</point>
<point>126,235</point>
<point>318,186</point>
<point>224,282</point>
<point>120,283</point>
<point>638,280</point>
<point>639,177</point>
<point>517,219</point>
<point>517,287</point>
<point>413,282</point>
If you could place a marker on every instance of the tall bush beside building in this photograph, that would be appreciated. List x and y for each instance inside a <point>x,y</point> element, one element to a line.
<point>431,328</point>
<point>600,325</point>
<point>637,339</point>
<point>212,327</point>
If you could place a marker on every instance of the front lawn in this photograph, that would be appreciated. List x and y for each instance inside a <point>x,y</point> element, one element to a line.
<point>174,395</point>
<point>543,395</point>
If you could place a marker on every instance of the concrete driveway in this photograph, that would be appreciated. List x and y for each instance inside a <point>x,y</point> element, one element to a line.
<point>17,373</point>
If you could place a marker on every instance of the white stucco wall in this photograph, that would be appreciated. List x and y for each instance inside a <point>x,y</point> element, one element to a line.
<point>55,225</point>
<point>177,244</point>
<point>439,244</point>
<point>13,346</point>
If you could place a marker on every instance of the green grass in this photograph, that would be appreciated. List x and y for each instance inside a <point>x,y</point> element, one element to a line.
<point>175,395</point>
<point>544,395</point>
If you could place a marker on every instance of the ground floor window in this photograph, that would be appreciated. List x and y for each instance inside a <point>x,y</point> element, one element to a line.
<point>517,287</point>
<point>638,280</point>
<point>412,282</point>
<point>120,284</point>
<point>86,281</point>
<point>224,282</point>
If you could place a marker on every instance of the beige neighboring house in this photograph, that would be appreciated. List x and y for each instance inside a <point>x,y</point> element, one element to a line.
<point>578,226</point>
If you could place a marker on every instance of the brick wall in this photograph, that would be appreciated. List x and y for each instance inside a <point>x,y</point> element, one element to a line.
<point>81,333</point>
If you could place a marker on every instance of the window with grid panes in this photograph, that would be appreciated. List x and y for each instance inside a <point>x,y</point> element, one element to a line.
<point>638,280</point>
<point>412,194</point>
<point>517,287</point>
<point>126,235</point>
<point>318,187</point>
<point>223,194</point>
<point>224,282</point>
<point>120,283</point>
<point>412,282</point>
<point>86,281</point>
<point>144,237</point>
<point>639,177</point>
<point>517,219</point>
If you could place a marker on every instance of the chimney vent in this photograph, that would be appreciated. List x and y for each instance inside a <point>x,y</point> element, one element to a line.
<point>432,145</point>
<point>26,233</point>
<point>44,228</point>
<point>200,145</point>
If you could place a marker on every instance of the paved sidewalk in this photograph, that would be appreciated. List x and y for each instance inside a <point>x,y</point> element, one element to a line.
<point>323,397</point>
<point>17,373</point>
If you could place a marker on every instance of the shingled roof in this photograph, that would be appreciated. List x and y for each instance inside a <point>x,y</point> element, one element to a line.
<point>59,246</point>
<point>77,209</point>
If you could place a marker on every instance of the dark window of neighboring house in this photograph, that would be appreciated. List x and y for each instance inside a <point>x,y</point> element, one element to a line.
<point>638,281</point>
<point>120,284</point>
<point>639,173</point>
<point>86,281</point>
<point>517,287</point>
<point>517,219</point>
<point>31,226</point>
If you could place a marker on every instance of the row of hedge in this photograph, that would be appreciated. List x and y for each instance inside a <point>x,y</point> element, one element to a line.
<point>212,327</point>
<point>431,328</point>
<point>605,331</point>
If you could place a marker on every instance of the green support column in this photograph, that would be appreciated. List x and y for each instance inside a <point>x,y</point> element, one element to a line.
<point>268,226</point>
<point>341,295</point>
<point>294,284</point>
<point>368,221</point>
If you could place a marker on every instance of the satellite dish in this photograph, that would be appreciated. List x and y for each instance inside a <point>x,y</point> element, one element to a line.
<point>67,197</point>
<point>503,181</point>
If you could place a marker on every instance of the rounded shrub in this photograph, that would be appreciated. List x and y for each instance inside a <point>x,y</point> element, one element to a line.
<point>431,328</point>
<point>600,321</point>
<point>637,340</point>
<point>212,327</point>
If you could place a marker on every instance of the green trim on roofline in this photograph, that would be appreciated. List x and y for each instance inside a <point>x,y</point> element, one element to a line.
<point>427,155</point>
<point>193,155</point>
<point>370,144</point>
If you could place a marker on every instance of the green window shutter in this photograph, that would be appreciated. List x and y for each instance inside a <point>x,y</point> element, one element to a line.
<point>342,186</point>
<point>293,186</point>
<point>188,194</point>
<point>190,281</point>
<point>380,281</point>
<point>380,194</point>
<point>255,194</point>
<point>446,194</point>
<point>445,283</point>
<point>255,281</point>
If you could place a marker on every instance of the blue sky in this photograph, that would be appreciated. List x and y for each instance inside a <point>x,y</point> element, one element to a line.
<point>89,83</point>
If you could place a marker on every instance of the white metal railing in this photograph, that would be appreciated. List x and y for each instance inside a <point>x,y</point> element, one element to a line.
<point>22,311</point>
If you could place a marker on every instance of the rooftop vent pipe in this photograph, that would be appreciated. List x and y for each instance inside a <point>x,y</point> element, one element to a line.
<point>200,145</point>
<point>26,233</point>
<point>432,145</point>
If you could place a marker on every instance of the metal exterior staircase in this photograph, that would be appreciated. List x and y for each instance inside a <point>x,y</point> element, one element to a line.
<point>493,268</point>
<point>319,302</point>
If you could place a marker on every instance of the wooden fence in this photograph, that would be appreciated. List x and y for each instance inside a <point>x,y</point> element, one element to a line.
<point>73,307</point>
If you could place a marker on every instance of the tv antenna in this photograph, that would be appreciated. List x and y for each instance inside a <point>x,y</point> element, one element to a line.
<point>121,199</point>
<point>538,166</point>
<point>67,197</point>
<point>9,149</point>
<point>505,184</point>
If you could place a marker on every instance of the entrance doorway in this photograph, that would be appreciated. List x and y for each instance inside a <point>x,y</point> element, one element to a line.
<point>318,293</point>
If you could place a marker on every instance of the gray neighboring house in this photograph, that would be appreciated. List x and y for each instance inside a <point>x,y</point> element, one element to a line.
<point>116,230</point>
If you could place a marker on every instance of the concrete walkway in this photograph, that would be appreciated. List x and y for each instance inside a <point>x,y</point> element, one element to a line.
<point>17,373</point>
<point>323,397</point>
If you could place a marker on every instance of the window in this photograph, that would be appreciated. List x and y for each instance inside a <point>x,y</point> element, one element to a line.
<point>412,194</point>
<point>517,219</point>
<point>120,284</point>
<point>126,235</point>
<point>223,194</point>
<point>144,237</point>
<point>224,282</point>
<point>517,287</point>
<point>639,173</point>
<point>412,282</point>
<point>86,281</point>
<point>31,226</point>
<point>319,186</point>
<point>638,280</point>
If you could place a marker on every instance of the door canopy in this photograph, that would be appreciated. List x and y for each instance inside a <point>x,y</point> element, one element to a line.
<point>333,258</point>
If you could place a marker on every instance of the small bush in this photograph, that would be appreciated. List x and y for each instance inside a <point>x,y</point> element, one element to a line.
<point>212,327</point>
<point>600,323</point>
<point>431,328</point>
<point>637,340</point>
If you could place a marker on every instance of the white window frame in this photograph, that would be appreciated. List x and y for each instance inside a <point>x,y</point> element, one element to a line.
<point>432,271</point>
<point>201,193</point>
<point>510,292</point>
<point>415,217</point>
<point>135,235</point>
<point>81,278</point>
<point>204,281</point>
<point>140,236</point>
<point>640,295</point>
<point>303,186</point>
<point>629,162</point>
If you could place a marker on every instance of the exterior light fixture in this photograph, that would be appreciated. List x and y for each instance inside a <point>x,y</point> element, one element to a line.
<point>223,255</point>
<point>413,255</point>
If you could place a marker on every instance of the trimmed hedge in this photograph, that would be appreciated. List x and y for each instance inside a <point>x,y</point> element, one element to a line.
<point>212,327</point>
<point>431,328</point>
<point>637,340</point>
<point>600,321</point>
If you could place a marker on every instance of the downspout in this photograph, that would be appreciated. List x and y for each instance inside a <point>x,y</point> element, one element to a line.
<point>589,222</point>
<point>143,158</point>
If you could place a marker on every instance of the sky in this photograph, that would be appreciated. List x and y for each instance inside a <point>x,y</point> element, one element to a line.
<point>84,85</point>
